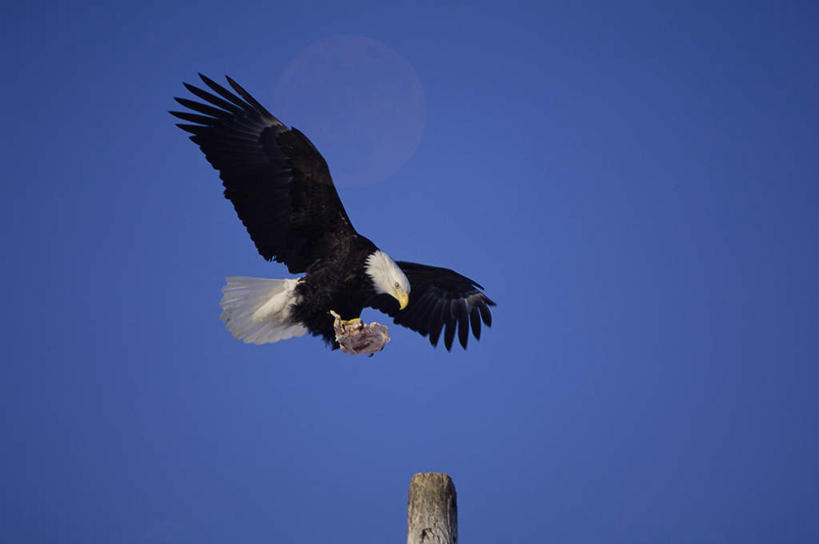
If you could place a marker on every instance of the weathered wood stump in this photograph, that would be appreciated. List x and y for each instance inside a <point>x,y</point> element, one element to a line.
<point>432,513</point>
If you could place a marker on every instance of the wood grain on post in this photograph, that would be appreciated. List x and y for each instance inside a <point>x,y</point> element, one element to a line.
<point>432,515</point>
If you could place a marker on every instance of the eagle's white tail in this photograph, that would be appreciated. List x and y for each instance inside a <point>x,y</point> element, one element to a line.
<point>257,310</point>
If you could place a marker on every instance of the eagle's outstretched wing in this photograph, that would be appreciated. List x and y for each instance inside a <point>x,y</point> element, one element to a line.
<point>276,179</point>
<point>439,298</point>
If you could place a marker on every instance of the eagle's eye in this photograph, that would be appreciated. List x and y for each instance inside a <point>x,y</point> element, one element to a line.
<point>396,285</point>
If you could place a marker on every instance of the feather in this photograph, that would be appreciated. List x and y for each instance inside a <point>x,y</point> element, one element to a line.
<point>215,100</point>
<point>475,317</point>
<point>244,94</point>
<point>223,92</point>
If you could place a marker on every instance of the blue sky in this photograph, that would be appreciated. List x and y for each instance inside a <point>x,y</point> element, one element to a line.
<point>635,185</point>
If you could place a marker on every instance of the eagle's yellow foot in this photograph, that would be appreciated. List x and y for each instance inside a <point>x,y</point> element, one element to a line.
<point>348,324</point>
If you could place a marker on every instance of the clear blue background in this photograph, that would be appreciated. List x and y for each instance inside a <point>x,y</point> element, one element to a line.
<point>636,186</point>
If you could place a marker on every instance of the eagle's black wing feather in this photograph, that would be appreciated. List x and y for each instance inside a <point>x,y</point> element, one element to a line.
<point>440,299</point>
<point>276,179</point>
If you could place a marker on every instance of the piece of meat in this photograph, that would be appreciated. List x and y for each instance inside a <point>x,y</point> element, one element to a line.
<point>355,338</point>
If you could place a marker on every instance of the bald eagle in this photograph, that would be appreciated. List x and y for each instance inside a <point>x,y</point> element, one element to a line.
<point>281,188</point>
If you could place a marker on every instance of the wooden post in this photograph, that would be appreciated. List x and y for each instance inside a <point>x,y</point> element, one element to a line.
<point>432,514</point>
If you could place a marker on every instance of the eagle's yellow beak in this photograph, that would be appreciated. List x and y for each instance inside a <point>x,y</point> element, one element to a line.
<point>402,297</point>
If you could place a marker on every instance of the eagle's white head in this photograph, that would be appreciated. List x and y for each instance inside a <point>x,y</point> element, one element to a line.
<point>388,278</point>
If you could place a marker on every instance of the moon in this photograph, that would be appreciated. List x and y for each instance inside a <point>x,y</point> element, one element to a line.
<point>360,103</point>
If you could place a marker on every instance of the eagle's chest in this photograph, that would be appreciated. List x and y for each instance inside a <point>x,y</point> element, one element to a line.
<point>340,286</point>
